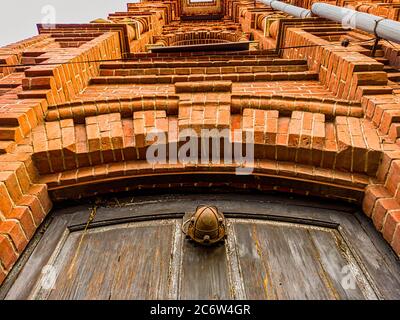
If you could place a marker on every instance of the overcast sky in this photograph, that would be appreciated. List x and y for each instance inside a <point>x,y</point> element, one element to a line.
<point>18,18</point>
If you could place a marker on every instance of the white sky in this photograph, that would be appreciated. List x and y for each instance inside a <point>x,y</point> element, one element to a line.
<point>18,18</point>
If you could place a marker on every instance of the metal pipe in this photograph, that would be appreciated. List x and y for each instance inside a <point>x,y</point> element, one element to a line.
<point>381,27</point>
<point>288,8</point>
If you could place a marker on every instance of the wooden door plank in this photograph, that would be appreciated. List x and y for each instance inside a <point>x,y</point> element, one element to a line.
<point>381,265</point>
<point>371,252</point>
<point>281,261</point>
<point>39,259</point>
<point>124,262</point>
<point>254,264</point>
<point>342,271</point>
<point>204,273</point>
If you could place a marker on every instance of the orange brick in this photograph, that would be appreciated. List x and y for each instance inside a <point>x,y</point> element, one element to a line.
<point>393,178</point>
<point>11,182</point>
<point>396,241</point>
<point>40,192</point>
<point>3,275</point>
<point>8,255</point>
<point>14,230</point>
<point>372,194</point>
<point>148,122</point>
<point>35,207</point>
<point>24,216</point>
<point>382,207</point>
<point>391,222</point>
<point>6,203</point>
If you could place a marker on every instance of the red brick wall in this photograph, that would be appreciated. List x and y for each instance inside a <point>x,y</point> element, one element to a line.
<point>24,200</point>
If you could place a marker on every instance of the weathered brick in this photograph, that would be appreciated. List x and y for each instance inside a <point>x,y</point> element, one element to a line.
<point>24,216</point>
<point>9,179</point>
<point>372,194</point>
<point>8,255</point>
<point>6,203</point>
<point>35,207</point>
<point>262,123</point>
<point>13,229</point>
<point>393,177</point>
<point>381,209</point>
<point>40,192</point>
<point>3,274</point>
<point>396,241</point>
<point>104,132</point>
<point>391,222</point>
<point>147,125</point>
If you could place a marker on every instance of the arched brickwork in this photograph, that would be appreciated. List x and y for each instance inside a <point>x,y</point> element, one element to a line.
<point>73,123</point>
<point>204,37</point>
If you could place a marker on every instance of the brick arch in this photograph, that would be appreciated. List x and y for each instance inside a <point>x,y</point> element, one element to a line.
<point>192,8</point>
<point>268,176</point>
<point>204,37</point>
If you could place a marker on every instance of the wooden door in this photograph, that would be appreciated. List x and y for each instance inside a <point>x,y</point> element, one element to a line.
<point>276,249</point>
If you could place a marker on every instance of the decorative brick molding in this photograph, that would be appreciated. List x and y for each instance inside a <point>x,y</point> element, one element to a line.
<point>23,206</point>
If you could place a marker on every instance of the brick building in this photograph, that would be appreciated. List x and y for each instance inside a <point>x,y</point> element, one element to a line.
<point>78,102</point>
